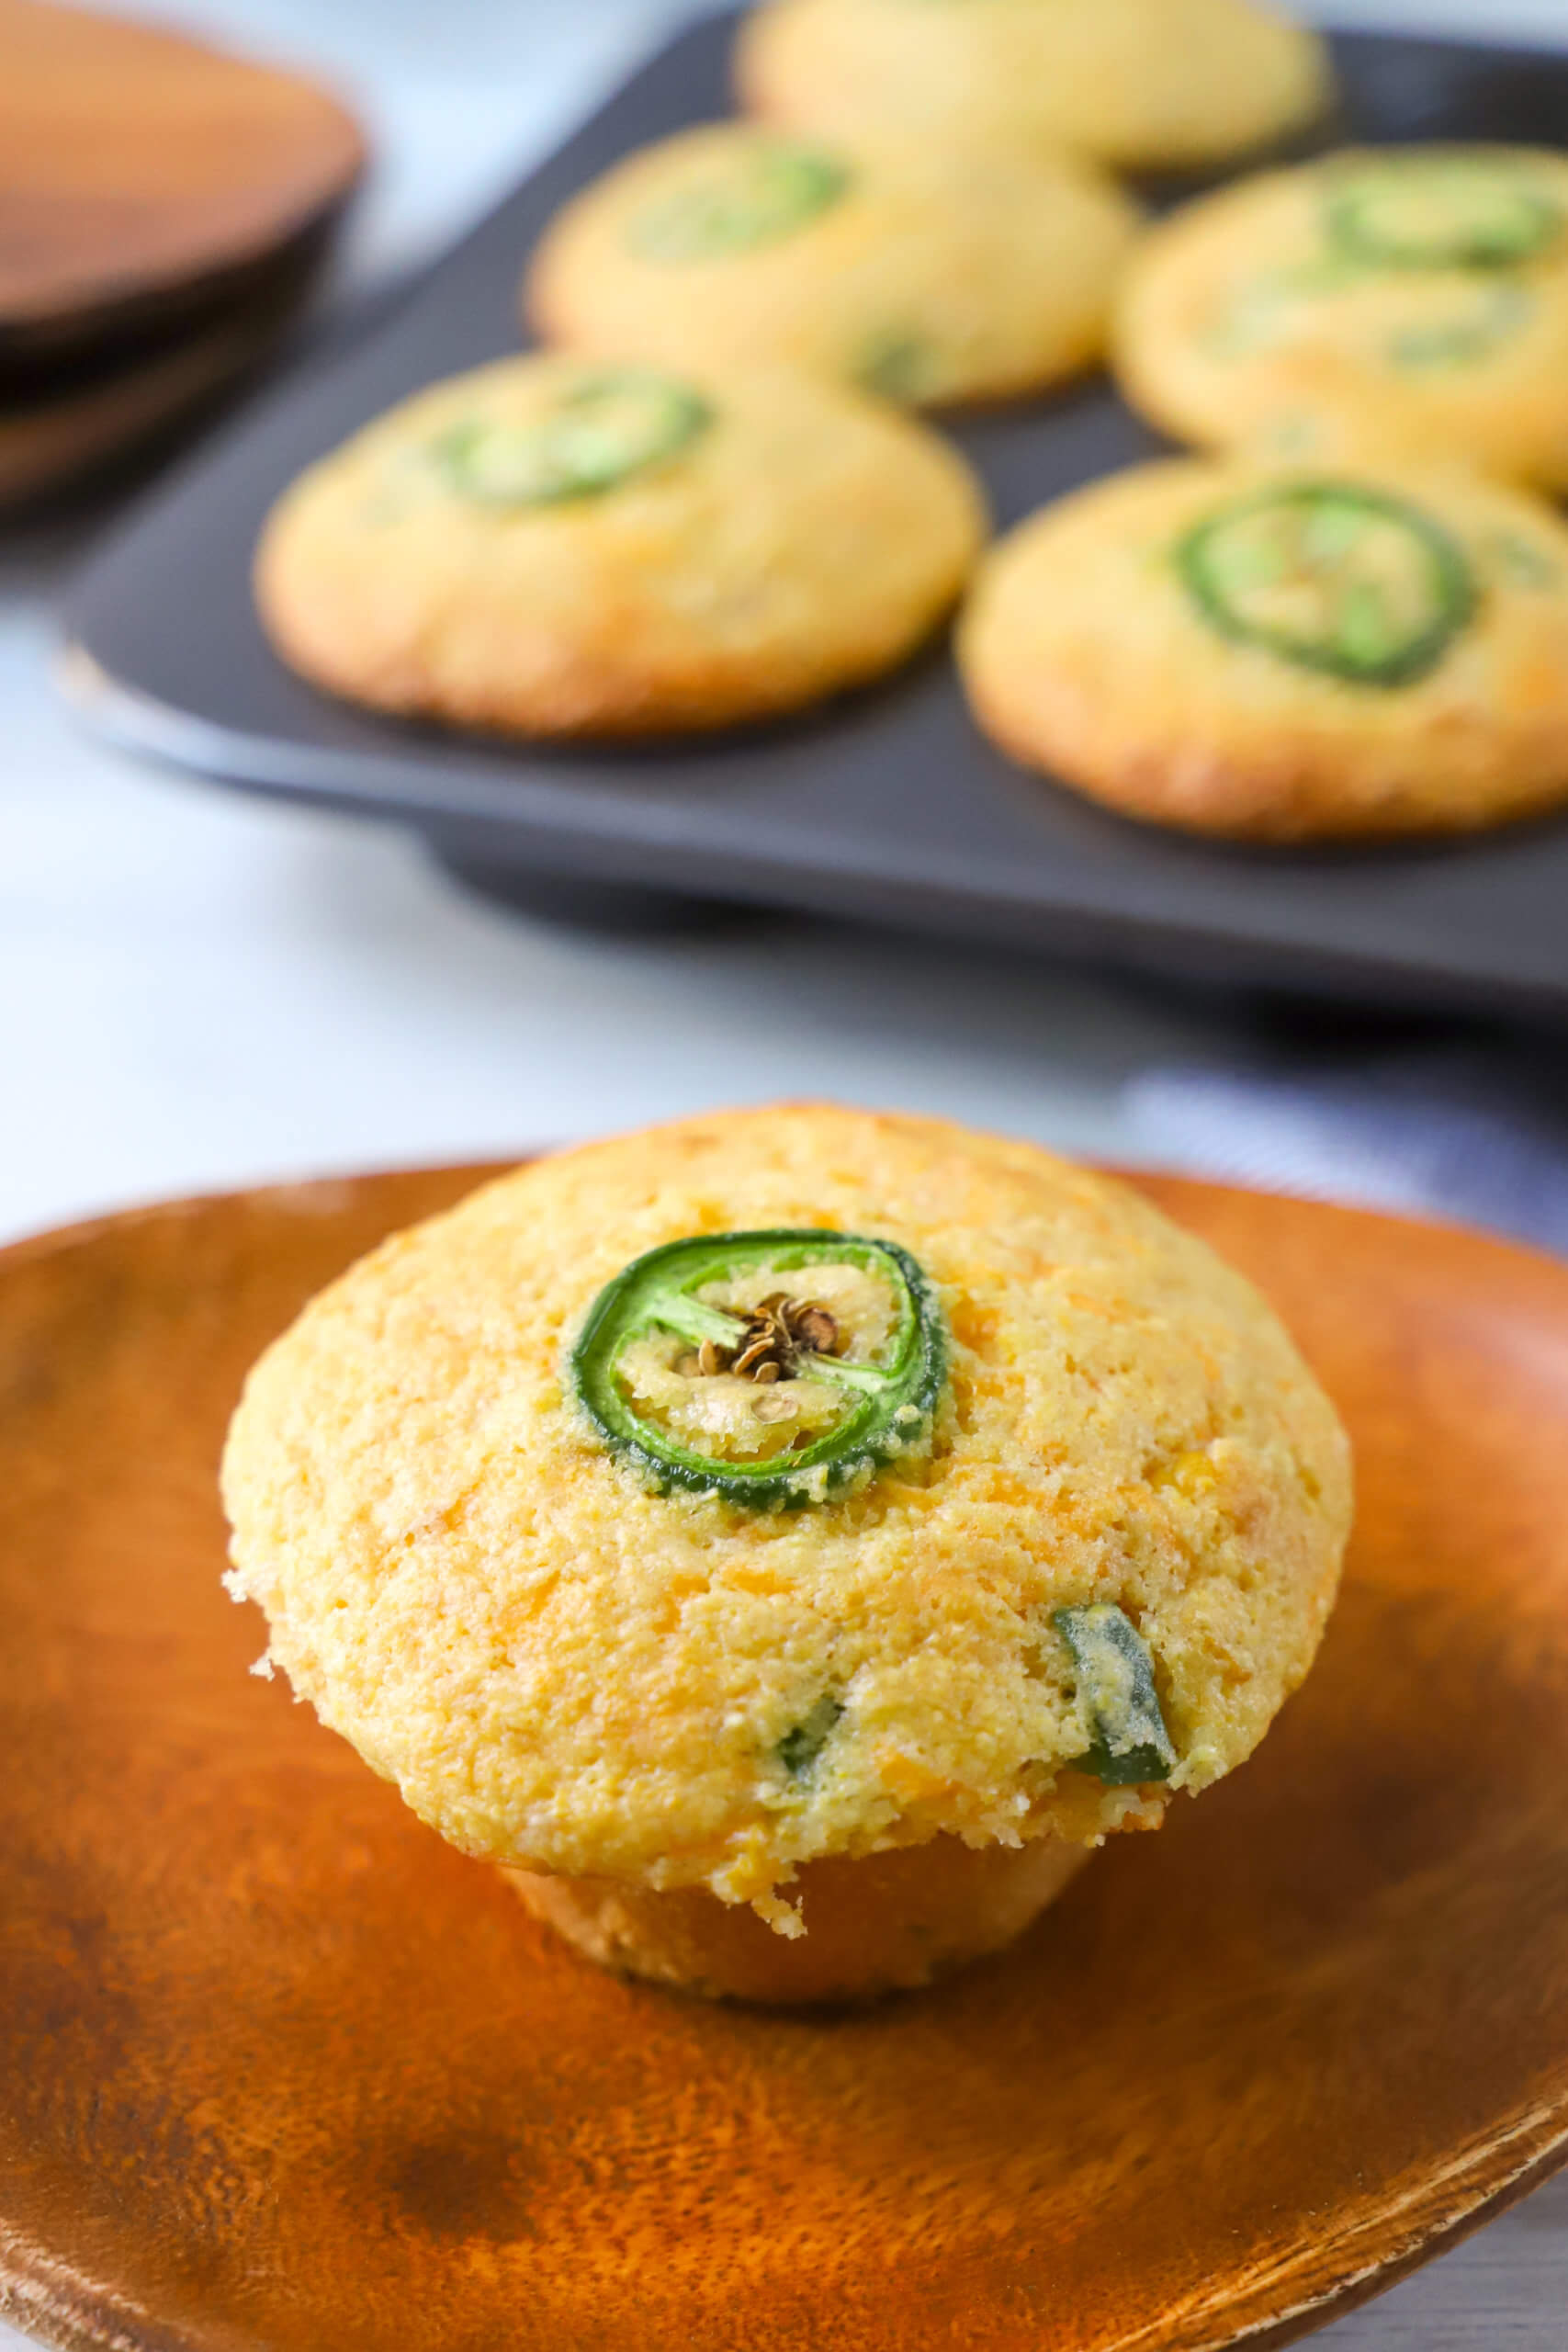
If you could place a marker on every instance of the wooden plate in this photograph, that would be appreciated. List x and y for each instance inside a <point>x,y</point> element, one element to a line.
<point>136,165</point>
<point>48,446</point>
<point>282,2069</point>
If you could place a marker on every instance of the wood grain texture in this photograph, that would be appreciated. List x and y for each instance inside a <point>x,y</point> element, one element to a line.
<point>280,2068</point>
<point>134,163</point>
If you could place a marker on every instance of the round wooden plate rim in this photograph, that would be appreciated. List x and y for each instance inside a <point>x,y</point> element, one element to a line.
<point>320,1194</point>
<point>64,2304</point>
<point>316,154</point>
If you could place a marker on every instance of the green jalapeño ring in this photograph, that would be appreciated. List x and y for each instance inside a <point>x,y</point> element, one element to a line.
<point>766,197</point>
<point>772,1369</point>
<point>1441,212</point>
<point>1352,582</point>
<point>609,428</point>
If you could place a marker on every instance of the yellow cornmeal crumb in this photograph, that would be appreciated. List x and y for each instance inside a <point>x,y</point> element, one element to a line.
<point>563,1669</point>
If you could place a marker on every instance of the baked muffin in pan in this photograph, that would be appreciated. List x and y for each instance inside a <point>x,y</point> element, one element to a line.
<point>1419,293</point>
<point>928,273</point>
<point>1360,648</point>
<point>553,546</point>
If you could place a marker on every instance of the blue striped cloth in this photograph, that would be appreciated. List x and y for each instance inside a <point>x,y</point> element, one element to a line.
<point>1476,1131</point>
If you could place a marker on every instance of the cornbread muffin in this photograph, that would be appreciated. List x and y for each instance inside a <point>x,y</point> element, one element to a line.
<point>557,546</point>
<point>924,273</point>
<point>1171,84</point>
<point>1349,652</point>
<point>712,1511</point>
<point>1418,292</point>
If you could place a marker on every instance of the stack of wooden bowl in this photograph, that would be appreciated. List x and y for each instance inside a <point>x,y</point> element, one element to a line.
<point>162,211</point>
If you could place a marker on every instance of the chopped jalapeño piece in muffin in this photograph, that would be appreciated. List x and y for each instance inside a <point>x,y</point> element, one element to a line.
<point>772,1369</point>
<point>900,366</point>
<point>803,1743</point>
<point>759,198</point>
<point>1354,582</point>
<point>1441,211</point>
<point>1129,1742</point>
<point>1486,324</point>
<point>613,425</point>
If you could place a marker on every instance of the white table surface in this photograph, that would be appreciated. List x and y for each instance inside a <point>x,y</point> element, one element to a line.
<point>203,992</point>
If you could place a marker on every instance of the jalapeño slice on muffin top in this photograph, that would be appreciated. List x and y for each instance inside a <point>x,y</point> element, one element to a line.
<point>610,427</point>
<point>771,1368</point>
<point>1354,582</point>
<point>756,200</point>
<point>1441,212</point>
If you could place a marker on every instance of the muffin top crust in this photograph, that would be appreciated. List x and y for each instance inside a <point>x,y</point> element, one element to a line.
<point>565,1668</point>
<point>1140,83</point>
<point>1418,293</point>
<point>926,271</point>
